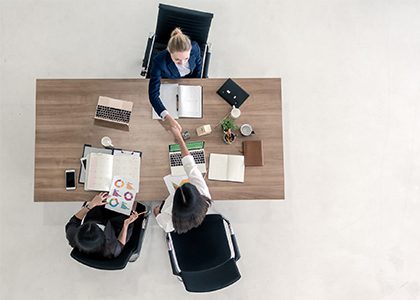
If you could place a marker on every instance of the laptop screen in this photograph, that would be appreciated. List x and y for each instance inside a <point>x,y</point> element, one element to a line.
<point>194,145</point>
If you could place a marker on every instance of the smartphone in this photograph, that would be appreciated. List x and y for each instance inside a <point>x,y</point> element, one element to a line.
<point>70,180</point>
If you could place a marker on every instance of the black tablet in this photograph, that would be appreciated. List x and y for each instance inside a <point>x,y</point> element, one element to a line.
<point>233,93</point>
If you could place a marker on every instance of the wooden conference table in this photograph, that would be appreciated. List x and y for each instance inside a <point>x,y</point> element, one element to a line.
<point>64,123</point>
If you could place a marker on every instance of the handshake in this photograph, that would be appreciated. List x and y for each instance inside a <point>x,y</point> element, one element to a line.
<point>171,125</point>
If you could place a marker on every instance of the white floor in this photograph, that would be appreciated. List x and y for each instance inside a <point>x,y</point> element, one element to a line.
<point>350,225</point>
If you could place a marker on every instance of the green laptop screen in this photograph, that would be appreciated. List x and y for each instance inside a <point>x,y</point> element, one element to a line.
<point>194,145</point>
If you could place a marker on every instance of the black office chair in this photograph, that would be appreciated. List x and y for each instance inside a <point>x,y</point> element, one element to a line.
<point>195,24</point>
<point>202,257</point>
<point>130,252</point>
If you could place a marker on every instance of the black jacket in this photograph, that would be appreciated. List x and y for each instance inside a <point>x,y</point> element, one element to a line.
<point>113,222</point>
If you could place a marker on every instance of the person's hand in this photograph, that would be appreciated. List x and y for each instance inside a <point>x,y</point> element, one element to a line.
<point>170,122</point>
<point>134,215</point>
<point>98,200</point>
<point>156,210</point>
<point>176,133</point>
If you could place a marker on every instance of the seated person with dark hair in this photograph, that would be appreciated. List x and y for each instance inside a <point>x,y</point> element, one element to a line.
<point>98,233</point>
<point>189,205</point>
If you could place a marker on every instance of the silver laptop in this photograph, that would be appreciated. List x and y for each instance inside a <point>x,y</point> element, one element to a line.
<point>196,149</point>
<point>113,110</point>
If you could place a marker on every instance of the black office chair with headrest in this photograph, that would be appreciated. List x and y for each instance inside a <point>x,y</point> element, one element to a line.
<point>195,24</point>
<point>130,252</point>
<point>202,257</point>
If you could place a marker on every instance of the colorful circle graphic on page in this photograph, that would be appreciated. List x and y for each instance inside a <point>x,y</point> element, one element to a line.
<point>128,196</point>
<point>113,202</point>
<point>119,183</point>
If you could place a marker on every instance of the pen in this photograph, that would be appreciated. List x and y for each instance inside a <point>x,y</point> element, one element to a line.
<point>143,212</point>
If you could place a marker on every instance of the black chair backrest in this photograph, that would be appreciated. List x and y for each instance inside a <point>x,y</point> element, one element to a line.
<point>204,256</point>
<point>211,279</point>
<point>203,247</point>
<point>195,24</point>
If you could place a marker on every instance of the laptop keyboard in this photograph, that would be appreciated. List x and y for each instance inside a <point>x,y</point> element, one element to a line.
<point>176,158</point>
<point>113,114</point>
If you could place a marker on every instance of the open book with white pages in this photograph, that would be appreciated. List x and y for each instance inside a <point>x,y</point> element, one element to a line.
<point>181,101</point>
<point>226,167</point>
<point>103,167</point>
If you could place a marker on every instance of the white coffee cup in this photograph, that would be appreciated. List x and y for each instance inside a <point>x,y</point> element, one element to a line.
<point>106,142</point>
<point>246,130</point>
<point>235,112</point>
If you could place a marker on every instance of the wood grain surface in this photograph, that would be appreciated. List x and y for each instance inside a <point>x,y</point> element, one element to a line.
<point>64,123</point>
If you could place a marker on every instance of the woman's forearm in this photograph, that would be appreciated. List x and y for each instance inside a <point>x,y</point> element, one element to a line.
<point>183,146</point>
<point>82,213</point>
<point>122,237</point>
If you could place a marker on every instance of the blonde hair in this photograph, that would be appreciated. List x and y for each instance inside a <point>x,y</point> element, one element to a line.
<point>179,42</point>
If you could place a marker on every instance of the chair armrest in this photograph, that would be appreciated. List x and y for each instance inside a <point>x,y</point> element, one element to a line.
<point>147,55</point>
<point>171,251</point>
<point>235,247</point>
<point>206,61</point>
<point>142,231</point>
<point>206,65</point>
<point>233,239</point>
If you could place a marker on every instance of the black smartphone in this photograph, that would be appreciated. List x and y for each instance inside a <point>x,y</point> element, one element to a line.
<point>70,180</point>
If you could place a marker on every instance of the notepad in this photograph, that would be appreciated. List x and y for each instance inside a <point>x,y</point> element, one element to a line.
<point>226,167</point>
<point>181,101</point>
<point>102,168</point>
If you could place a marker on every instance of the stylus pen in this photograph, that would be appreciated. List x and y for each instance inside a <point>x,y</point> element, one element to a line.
<point>143,212</point>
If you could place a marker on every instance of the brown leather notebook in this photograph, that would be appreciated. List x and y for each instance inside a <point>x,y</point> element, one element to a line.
<point>253,152</point>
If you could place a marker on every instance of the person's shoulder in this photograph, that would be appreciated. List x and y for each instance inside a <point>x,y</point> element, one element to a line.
<point>161,56</point>
<point>195,46</point>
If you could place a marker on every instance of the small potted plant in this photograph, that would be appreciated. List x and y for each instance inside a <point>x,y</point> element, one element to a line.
<point>228,126</point>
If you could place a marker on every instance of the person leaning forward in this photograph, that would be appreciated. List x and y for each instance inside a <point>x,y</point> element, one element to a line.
<point>93,229</point>
<point>190,203</point>
<point>181,59</point>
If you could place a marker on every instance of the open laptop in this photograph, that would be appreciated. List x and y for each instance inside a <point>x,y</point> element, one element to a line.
<point>113,110</point>
<point>232,93</point>
<point>196,149</point>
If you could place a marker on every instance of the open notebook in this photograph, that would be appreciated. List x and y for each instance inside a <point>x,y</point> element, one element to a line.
<point>226,167</point>
<point>87,149</point>
<point>181,101</point>
<point>103,167</point>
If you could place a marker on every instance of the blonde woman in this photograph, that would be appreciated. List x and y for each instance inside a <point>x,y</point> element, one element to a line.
<point>181,59</point>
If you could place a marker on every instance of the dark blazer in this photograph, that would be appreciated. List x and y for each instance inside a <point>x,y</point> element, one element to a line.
<point>163,67</point>
<point>113,222</point>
